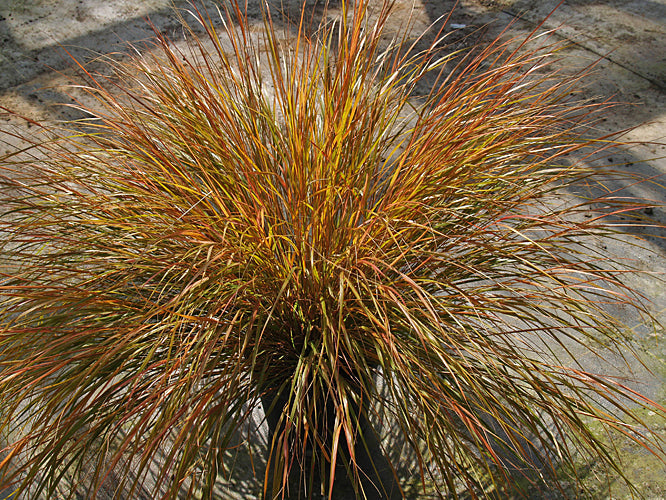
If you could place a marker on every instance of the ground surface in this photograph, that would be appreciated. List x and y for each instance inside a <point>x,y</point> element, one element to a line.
<point>626,37</point>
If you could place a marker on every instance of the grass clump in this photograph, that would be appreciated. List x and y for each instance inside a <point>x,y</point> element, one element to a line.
<point>252,217</point>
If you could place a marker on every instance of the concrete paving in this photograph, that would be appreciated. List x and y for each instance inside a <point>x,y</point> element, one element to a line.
<point>627,38</point>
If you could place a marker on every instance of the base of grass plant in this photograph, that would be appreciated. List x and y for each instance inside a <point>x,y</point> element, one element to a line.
<point>370,475</point>
<point>255,217</point>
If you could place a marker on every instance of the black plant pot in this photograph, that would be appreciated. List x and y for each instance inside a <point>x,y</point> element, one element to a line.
<point>305,481</point>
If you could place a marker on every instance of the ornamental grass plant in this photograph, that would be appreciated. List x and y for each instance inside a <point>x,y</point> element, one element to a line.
<point>259,218</point>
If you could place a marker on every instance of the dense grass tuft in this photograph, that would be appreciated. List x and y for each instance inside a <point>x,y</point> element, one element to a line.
<point>257,216</point>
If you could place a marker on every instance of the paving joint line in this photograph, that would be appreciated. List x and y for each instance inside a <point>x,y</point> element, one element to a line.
<point>661,86</point>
